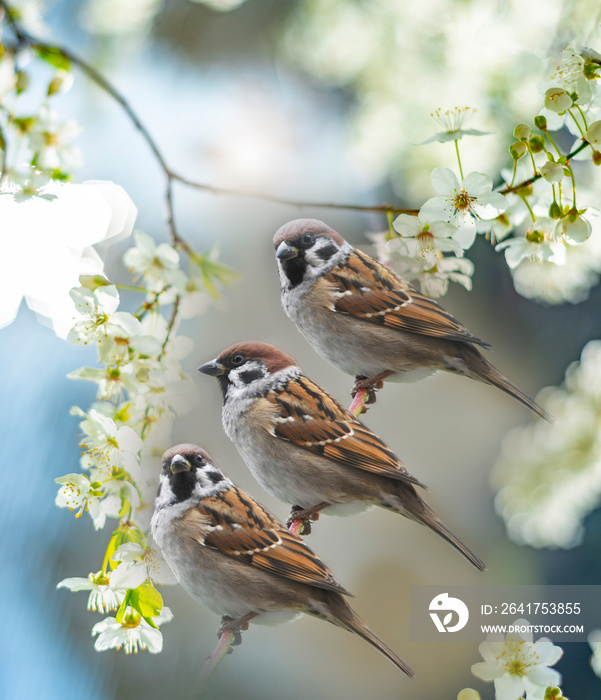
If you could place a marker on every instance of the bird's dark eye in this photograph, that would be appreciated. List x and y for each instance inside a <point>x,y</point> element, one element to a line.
<point>165,466</point>
<point>238,359</point>
<point>199,459</point>
<point>307,239</point>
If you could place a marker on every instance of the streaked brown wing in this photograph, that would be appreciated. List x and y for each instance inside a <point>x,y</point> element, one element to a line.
<point>313,420</point>
<point>242,528</point>
<point>391,301</point>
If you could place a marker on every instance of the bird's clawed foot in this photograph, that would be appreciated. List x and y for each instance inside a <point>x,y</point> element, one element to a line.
<point>369,384</point>
<point>236,626</point>
<point>305,516</point>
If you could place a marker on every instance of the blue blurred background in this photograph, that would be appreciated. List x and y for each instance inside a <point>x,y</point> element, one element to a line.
<point>228,102</point>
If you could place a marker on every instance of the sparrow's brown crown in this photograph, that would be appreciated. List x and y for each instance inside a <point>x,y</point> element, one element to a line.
<point>294,230</point>
<point>273,359</point>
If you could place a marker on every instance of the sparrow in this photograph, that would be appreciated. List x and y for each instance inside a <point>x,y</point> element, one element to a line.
<point>368,321</point>
<point>306,449</point>
<point>233,556</point>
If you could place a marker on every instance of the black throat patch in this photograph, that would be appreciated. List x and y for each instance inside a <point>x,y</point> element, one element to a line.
<point>294,269</point>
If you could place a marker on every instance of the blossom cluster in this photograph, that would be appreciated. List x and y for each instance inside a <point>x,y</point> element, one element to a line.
<point>141,389</point>
<point>549,475</point>
<point>36,146</point>
<point>539,217</point>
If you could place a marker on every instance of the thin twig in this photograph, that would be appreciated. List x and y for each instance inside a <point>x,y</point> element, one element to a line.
<point>507,189</point>
<point>223,648</point>
<point>24,37</point>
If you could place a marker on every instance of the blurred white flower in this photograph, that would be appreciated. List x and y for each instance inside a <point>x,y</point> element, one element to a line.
<point>221,5</point>
<point>517,664</point>
<point>462,203</point>
<point>46,246</point>
<point>29,14</point>
<point>594,639</point>
<point>132,634</point>
<point>51,142</point>
<point>557,283</point>
<point>575,227</point>
<point>117,18</point>
<point>102,597</point>
<point>549,476</point>
<point>8,77</point>
<point>552,172</point>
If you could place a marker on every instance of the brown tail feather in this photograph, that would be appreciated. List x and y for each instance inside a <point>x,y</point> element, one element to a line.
<point>344,616</point>
<point>476,366</point>
<point>441,529</point>
<point>409,503</point>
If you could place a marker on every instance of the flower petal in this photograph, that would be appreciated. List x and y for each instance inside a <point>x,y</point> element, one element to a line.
<point>445,181</point>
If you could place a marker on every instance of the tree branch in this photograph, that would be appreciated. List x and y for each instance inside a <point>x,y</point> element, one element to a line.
<point>24,38</point>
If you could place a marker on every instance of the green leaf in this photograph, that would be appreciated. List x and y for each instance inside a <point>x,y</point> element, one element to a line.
<point>211,271</point>
<point>125,504</point>
<point>122,608</point>
<point>55,57</point>
<point>147,601</point>
<point>124,533</point>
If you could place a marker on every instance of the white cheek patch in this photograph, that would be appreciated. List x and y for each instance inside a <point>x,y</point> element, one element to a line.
<point>206,487</point>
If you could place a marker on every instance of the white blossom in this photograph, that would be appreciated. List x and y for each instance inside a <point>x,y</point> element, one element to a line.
<point>424,238</point>
<point>78,493</point>
<point>594,639</point>
<point>99,321</point>
<point>157,265</point>
<point>535,245</point>
<point>575,228</point>
<point>462,203</point>
<point>51,142</point>
<point>138,564</point>
<point>518,664</point>
<point>452,122</point>
<point>103,598</point>
<point>108,445</point>
<point>132,634</point>
<point>549,476</point>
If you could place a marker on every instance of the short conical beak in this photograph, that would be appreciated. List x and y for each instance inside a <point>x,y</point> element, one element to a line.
<point>286,252</point>
<point>213,369</point>
<point>179,464</point>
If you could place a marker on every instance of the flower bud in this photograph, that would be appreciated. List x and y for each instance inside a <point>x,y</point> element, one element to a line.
<point>540,122</point>
<point>596,158</point>
<point>557,100</point>
<point>92,282</point>
<point>518,149</point>
<point>537,142</point>
<point>554,211</point>
<point>468,694</point>
<point>593,133</point>
<point>522,132</point>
